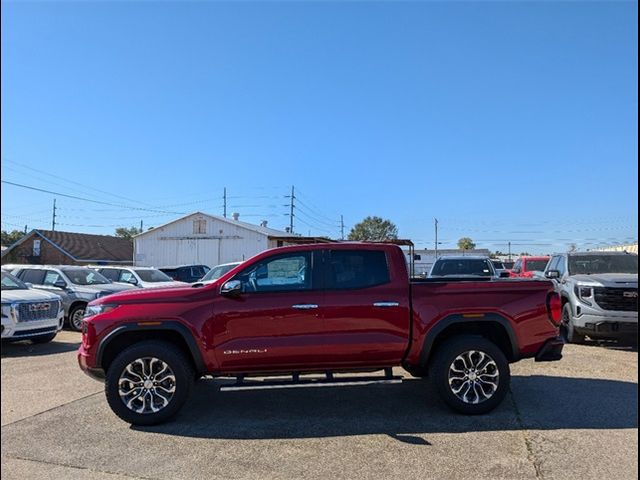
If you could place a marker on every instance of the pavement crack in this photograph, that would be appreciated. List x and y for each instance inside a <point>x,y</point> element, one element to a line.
<point>76,467</point>
<point>531,456</point>
<point>50,409</point>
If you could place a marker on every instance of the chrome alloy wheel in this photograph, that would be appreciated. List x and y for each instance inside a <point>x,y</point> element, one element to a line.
<point>146,385</point>
<point>76,318</point>
<point>473,377</point>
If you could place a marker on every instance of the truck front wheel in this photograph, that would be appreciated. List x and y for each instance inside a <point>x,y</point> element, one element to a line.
<point>471,374</point>
<point>148,382</point>
<point>567,329</point>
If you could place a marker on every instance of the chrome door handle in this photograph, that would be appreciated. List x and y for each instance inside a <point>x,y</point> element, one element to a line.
<point>386,304</point>
<point>304,306</point>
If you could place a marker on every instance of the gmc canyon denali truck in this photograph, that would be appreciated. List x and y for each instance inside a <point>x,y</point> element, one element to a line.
<point>312,310</point>
<point>599,293</point>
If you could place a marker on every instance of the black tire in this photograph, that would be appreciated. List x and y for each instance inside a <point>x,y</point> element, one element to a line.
<point>449,352</point>
<point>567,329</point>
<point>166,352</point>
<point>43,338</point>
<point>75,317</point>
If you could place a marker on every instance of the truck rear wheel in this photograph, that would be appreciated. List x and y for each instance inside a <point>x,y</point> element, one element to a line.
<point>471,374</point>
<point>148,382</point>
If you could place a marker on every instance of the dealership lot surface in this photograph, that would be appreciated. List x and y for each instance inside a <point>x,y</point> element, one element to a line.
<point>571,419</point>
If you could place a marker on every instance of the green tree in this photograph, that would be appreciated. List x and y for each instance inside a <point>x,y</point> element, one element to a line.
<point>9,238</point>
<point>374,229</point>
<point>127,233</point>
<point>465,243</point>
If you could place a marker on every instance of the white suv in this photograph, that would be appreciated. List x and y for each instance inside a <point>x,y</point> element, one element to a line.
<point>143,277</point>
<point>29,314</point>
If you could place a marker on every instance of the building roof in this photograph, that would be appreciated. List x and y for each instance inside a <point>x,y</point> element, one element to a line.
<point>269,232</point>
<point>84,247</point>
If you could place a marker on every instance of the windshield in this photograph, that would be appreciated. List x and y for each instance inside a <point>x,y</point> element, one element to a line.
<point>536,265</point>
<point>216,272</point>
<point>153,276</point>
<point>454,267</point>
<point>84,276</point>
<point>590,264</point>
<point>498,265</point>
<point>9,282</point>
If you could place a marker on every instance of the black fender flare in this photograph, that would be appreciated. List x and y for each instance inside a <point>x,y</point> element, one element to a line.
<point>160,325</point>
<point>459,318</point>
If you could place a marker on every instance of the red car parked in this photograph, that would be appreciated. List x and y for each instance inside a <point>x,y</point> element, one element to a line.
<point>317,309</point>
<point>525,266</point>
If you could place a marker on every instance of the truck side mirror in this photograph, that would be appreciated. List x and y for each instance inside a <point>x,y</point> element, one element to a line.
<point>60,284</point>
<point>231,288</point>
<point>504,275</point>
<point>552,274</point>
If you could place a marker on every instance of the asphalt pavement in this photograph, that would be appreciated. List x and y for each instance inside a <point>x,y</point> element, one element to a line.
<point>576,418</point>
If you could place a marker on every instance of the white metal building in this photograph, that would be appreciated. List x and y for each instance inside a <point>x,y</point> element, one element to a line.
<point>204,239</point>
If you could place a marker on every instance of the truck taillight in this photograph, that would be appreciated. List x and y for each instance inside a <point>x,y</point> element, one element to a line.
<point>554,306</point>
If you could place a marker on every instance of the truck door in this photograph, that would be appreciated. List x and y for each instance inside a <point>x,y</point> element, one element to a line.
<point>366,309</point>
<point>276,322</point>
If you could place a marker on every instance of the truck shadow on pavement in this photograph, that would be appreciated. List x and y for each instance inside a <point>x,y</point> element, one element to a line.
<point>400,411</point>
<point>25,348</point>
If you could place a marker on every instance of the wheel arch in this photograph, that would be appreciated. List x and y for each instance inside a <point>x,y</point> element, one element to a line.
<point>492,326</point>
<point>170,331</point>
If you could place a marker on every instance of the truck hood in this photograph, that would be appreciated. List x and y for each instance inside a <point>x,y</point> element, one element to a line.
<point>615,280</point>
<point>27,295</point>
<point>174,293</point>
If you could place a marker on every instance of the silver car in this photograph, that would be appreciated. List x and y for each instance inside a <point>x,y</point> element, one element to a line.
<point>76,285</point>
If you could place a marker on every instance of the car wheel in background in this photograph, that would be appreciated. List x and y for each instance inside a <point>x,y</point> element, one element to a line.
<point>75,317</point>
<point>471,374</point>
<point>566,327</point>
<point>148,382</point>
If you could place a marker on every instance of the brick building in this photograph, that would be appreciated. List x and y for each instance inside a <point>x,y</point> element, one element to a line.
<point>46,247</point>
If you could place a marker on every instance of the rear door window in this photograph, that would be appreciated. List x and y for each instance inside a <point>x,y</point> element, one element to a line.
<point>352,269</point>
<point>110,273</point>
<point>34,276</point>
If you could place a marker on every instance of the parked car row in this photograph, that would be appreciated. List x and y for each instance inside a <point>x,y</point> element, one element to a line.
<point>73,287</point>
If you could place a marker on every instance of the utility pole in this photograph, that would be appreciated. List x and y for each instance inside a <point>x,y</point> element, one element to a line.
<point>25,229</point>
<point>291,207</point>
<point>341,227</point>
<point>224,205</point>
<point>141,226</point>
<point>509,251</point>
<point>436,226</point>
<point>53,219</point>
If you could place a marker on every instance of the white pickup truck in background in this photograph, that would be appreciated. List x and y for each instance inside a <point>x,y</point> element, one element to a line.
<point>29,314</point>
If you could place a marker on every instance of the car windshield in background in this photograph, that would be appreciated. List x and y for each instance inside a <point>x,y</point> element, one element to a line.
<point>536,265</point>
<point>9,282</point>
<point>475,267</point>
<point>497,265</point>
<point>153,276</point>
<point>593,264</point>
<point>216,272</point>
<point>82,276</point>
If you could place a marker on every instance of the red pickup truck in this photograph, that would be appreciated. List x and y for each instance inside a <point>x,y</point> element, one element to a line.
<point>319,314</point>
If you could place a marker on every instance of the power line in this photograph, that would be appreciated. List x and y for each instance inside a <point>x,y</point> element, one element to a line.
<point>88,199</point>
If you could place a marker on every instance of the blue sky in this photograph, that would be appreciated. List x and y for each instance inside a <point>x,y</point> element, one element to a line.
<point>507,121</point>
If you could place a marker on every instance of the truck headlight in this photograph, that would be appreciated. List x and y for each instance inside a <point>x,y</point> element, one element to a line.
<point>584,294</point>
<point>92,310</point>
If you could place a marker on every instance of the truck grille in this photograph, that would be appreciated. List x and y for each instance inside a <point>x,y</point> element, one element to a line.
<point>29,312</point>
<point>621,299</point>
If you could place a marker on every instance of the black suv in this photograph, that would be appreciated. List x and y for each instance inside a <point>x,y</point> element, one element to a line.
<point>186,273</point>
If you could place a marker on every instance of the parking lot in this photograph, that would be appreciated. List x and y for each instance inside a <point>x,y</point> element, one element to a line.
<point>571,419</point>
